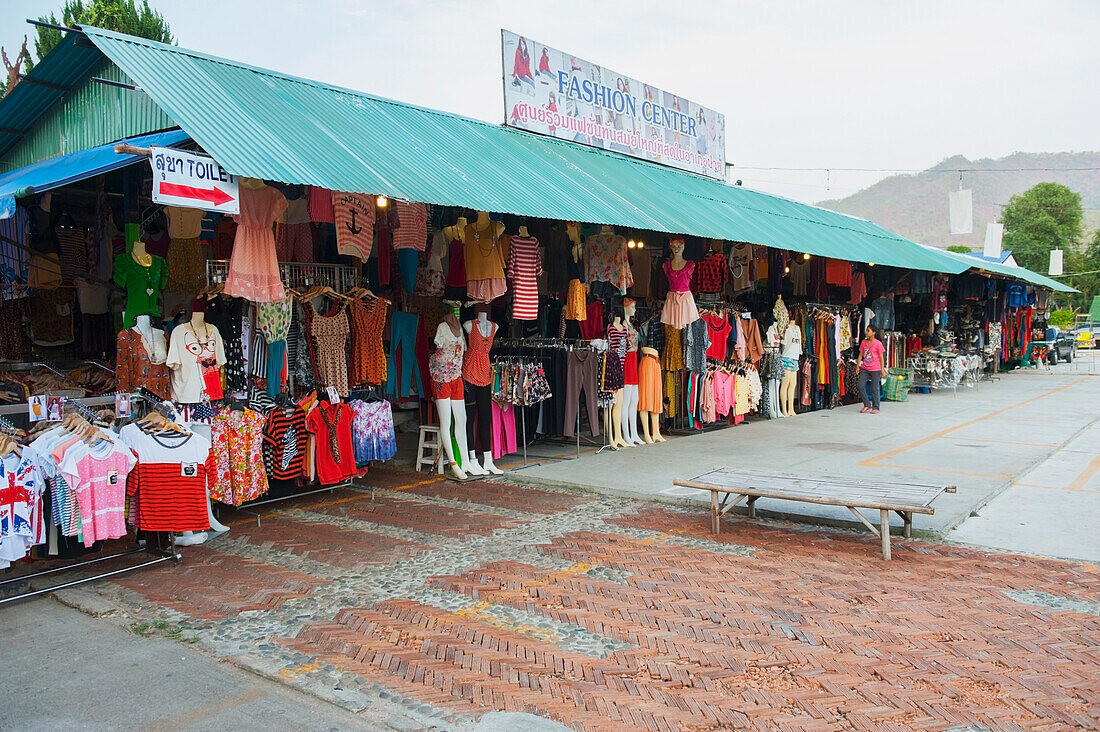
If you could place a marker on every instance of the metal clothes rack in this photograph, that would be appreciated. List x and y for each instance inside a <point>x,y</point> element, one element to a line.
<point>296,275</point>
<point>82,405</point>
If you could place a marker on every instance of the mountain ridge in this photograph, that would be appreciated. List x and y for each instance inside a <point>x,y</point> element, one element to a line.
<point>915,204</point>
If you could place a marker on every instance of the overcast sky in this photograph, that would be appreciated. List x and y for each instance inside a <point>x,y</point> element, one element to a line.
<point>858,84</point>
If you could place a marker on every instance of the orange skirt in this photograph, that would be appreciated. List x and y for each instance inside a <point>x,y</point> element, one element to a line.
<point>649,384</point>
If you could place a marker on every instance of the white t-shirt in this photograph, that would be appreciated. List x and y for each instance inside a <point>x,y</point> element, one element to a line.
<point>193,448</point>
<point>194,361</point>
<point>792,341</point>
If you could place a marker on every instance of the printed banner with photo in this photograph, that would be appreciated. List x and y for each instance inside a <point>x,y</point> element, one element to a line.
<point>553,93</point>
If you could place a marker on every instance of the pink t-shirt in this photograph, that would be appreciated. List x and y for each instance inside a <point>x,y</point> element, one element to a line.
<point>98,478</point>
<point>870,355</point>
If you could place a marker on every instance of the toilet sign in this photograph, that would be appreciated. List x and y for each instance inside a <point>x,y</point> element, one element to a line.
<point>192,181</point>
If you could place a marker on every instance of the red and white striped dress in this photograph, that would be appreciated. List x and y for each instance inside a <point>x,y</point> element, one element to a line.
<point>524,266</point>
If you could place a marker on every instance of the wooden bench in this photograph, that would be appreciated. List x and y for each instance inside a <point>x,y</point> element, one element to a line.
<point>853,493</point>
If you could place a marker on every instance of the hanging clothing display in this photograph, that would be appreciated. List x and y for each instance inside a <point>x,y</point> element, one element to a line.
<point>331,332</point>
<point>372,432</point>
<point>353,214</point>
<point>195,356</point>
<point>236,439</point>
<point>169,481</point>
<point>143,285</point>
<point>140,362</point>
<point>711,274</point>
<point>605,260</point>
<point>253,267</point>
<point>524,269</point>
<point>330,425</point>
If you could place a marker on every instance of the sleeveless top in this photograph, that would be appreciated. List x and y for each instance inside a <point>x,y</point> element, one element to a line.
<point>445,363</point>
<point>475,368</point>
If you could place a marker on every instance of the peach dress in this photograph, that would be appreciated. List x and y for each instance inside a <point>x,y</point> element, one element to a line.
<point>253,267</point>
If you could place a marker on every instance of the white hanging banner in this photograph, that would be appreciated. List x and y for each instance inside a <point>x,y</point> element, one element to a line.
<point>961,204</point>
<point>993,235</point>
<point>1055,262</point>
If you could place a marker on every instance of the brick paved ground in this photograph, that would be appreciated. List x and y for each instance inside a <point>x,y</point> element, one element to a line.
<point>606,614</point>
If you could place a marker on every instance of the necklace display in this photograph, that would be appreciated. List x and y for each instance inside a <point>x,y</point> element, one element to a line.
<point>146,264</point>
<point>205,332</point>
<point>477,241</point>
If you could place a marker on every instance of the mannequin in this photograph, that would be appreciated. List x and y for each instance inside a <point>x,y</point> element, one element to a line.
<point>523,232</point>
<point>649,372</point>
<point>791,350</point>
<point>630,377</point>
<point>573,231</point>
<point>195,355</point>
<point>487,227</point>
<point>140,255</point>
<point>679,310</point>
<point>445,365</point>
<point>613,419</point>
<point>477,375</point>
<point>458,231</point>
<point>485,253</point>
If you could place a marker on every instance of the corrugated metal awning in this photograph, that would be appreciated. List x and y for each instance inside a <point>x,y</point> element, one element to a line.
<point>65,169</point>
<point>262,124</point>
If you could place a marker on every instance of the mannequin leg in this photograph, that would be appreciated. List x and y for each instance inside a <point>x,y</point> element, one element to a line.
<point>617,422</point>
<point>216,526</point>
<point>655,426</point>
<point>458,412</point>
<point>630,414</point>
<point>443,408</point>
<point>786,392</point>
<point>645,428</point>
<point>190,538</point>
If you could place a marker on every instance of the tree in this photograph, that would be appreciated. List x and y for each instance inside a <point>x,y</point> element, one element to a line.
<point>959,249</point>
<point>1044,217</point>
<point>124,16</point>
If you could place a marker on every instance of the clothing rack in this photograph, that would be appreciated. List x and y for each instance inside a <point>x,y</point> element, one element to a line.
<point>296,275</point>
<point>81,405</point>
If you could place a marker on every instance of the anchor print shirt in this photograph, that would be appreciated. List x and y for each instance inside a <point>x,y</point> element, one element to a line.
<point>354,214</point>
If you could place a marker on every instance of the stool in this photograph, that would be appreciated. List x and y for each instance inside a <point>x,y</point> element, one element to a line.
<point>430,441</point>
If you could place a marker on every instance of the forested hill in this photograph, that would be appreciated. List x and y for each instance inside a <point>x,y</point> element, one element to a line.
<point>915,205</point>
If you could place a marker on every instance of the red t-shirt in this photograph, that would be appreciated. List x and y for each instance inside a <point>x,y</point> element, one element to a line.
<point>333,465</point>
<point>870,355</point>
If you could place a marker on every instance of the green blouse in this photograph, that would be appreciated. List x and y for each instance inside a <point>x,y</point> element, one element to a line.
<point>142,285</point>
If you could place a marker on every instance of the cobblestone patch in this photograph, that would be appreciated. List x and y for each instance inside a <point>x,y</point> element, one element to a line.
<point>602,613</point>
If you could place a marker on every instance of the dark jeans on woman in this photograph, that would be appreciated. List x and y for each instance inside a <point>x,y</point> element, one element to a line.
<point>870,381</point>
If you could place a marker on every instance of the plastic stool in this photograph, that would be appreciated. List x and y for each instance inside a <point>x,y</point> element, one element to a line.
<point>429,441</point>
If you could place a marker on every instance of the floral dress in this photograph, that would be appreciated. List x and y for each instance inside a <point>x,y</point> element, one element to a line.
<point>236,442</point>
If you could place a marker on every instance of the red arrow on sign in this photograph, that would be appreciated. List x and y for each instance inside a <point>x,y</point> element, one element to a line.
<point>215,195</point>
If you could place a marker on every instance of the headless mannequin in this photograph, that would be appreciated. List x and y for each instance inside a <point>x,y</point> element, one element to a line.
<point>484,412</point>
<point>140,255</point>
<point>613,418</point>
<point>153,339</point>
<point>573,231</point>
<point>458,231</point>
<point>484,225</point>
<point>630,391</point>
<point>523,232</point>
<point>452,413</point>
<point>651,421</point>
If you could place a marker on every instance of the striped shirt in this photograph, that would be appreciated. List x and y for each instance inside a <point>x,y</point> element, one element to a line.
<point>169,481</point>
<point>524,266</point>
<point>285,443</point>
<point>413,232</point>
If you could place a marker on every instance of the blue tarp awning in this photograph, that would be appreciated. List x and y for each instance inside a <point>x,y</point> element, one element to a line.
<point>65,169</point>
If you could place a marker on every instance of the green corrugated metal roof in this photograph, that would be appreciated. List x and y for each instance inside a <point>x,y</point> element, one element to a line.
<point>263,124</point>
<point>1094,311</point>
<point>69,62</point>
<point>1016,273</point>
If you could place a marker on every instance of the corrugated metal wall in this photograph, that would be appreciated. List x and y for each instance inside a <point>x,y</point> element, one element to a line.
<point>91,114</point>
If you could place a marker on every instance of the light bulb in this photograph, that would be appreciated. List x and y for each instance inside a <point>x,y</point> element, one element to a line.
<point>631,244</point>
<point>786,270</point>
<point>382,201</point>
<point>641,245</point>
<point>870,264</point>
<point>806,256</point>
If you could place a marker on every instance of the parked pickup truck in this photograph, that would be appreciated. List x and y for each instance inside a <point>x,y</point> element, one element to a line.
<point>1061,345</point>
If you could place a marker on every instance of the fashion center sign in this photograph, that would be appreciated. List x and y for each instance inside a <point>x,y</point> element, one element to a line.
<point>553,93</point>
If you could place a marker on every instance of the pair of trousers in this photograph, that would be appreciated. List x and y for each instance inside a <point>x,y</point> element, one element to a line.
<point>870,381</point>
<point>504,430</point>
<point>581,375</point>
<point>276,367</point>
<point>407,261</point>
<point>403,356</point>
<point>479,410</point>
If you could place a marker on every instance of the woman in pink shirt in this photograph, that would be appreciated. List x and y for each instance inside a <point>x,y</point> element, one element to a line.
<point>871,351</point>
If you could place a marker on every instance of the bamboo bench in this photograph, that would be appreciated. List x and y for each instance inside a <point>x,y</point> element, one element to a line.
<point>905,499</point>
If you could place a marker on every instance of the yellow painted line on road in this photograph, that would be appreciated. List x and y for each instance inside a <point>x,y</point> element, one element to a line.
<point>1078,483</point>
<point>872,461</point>
<point>1008,442</point>
<point>1054,487</point>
